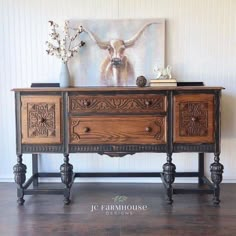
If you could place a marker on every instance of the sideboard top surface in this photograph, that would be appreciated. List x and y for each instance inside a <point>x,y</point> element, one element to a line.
<point>103,88</point>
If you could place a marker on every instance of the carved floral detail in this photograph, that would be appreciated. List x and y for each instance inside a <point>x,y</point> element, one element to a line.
<point>119,104</point>
<point>41,120</point>
<point>160,123</point>
<point>74,137</point>
<point>193,119</point>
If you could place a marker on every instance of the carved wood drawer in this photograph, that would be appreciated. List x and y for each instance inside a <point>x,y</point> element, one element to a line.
<point>118,130</point>
<point>140,103</point>
<point>40,119</point>
<point>194,118</point>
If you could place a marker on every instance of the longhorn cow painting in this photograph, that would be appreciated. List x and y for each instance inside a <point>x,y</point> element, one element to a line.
<point>118,51</point>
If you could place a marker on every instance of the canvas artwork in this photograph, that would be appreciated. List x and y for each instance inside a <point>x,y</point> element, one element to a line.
<point>118,51</point>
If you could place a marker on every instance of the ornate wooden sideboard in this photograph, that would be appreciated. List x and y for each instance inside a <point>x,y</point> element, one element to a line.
<point>117,121</point>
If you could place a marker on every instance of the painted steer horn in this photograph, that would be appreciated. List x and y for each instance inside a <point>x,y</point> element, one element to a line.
<point>127,43</point>
<point>102,45</point>
<point>130,42</point>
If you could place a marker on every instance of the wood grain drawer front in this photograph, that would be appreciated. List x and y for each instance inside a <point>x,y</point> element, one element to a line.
<point>40,118</point>
<point>118,130</point>
<point>139,103</point>
<point>194,118</point>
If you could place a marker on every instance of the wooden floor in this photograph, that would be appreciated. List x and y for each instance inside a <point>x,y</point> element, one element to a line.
<point>190,215</point>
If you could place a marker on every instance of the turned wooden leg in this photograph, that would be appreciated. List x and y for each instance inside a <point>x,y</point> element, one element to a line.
<point>66,178</point>
<point>169,177</point>
<point>216,169</point>
<point>20,176</point>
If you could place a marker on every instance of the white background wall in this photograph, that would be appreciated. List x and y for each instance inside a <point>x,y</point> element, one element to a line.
<point>200,46</point>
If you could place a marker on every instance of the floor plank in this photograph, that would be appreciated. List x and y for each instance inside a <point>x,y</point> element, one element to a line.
<point>146,212</point>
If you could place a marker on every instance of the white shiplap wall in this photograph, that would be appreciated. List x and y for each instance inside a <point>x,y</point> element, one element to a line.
<point>200,46</point>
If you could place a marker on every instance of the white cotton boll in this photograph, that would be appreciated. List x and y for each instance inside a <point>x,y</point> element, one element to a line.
<point>61,38</point>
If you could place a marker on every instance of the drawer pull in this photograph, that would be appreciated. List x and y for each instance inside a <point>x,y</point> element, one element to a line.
<point>194,119</point>
<point>148,103</point>
<point>86,103</point>
<point>148,129</point>
<point>43,120</point>
<point>86,129</point>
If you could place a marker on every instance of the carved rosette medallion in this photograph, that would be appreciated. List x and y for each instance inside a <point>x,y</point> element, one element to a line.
<point>41,119</point>
<point>193,119</point>
<point>118,104</point>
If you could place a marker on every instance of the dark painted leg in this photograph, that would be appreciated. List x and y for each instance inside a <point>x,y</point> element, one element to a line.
<point>20,177</point>
<point>216,169</point>
<point>200,168</point>
<point>66,178</point>
<point>35,169</point>
<point>169,177</point>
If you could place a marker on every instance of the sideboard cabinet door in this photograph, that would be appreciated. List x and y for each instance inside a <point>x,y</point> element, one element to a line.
<point>194,118</point>
<point>41,119</point>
